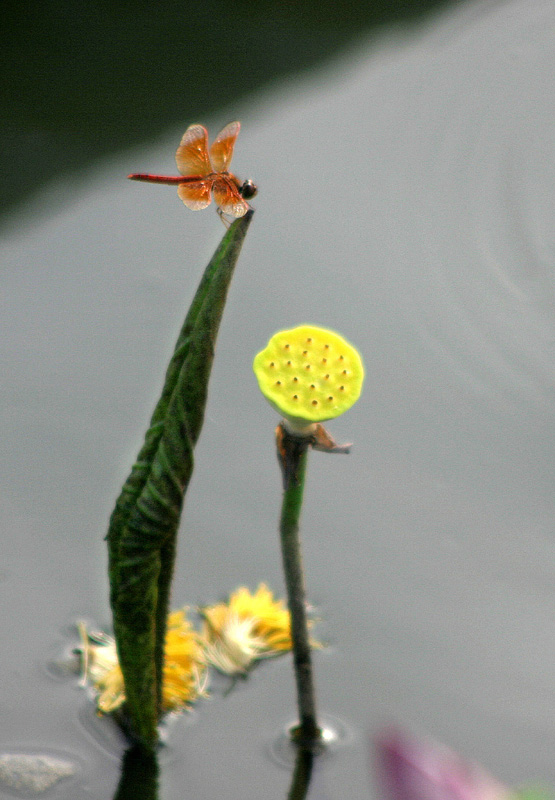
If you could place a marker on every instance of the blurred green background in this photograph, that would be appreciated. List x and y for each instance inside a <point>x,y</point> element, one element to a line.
<point>82,79</point>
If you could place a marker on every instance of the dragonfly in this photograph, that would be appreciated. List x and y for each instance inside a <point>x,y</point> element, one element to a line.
<point>205,172</point>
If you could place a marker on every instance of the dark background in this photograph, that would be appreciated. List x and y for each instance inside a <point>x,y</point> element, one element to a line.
<point>83,79</point>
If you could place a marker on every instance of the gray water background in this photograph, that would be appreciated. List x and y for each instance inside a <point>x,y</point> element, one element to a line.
<point>406,200</point>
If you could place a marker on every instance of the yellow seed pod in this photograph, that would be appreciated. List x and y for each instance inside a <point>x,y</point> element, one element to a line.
<point>309,374</point>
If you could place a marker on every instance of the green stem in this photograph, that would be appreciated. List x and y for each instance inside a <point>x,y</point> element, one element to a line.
<point>292,453</point>
<point>167,561</point>
<point>144,524</point>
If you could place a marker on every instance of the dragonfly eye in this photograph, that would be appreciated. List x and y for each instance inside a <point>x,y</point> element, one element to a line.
<point>247,190</point>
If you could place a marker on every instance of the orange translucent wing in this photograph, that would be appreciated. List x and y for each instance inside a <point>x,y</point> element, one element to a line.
<point>195,195</point>
<point>221,151</point>
<point>227,197</point>
<point>192,154</point>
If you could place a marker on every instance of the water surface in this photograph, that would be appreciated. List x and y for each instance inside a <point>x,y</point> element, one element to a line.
<point>406,195</point>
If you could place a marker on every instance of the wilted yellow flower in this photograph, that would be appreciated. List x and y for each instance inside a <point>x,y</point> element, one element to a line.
<point>184,667</point>
<point>309,374</point>
<point>248,627</point>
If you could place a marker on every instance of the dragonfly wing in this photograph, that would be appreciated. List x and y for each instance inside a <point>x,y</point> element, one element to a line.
<point>195,195</point>
<point>227,197</point>
<point>221,151</point>
<point>192,154</point>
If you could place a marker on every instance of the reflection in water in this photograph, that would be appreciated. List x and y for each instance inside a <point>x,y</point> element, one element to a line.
<point>301,774</point>
<point>139,775</point>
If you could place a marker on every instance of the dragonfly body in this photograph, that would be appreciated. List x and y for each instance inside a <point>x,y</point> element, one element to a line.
<point>204,172</point>
<point>168,179</point>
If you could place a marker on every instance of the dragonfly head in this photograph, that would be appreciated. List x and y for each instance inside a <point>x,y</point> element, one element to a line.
<point>247,190</point>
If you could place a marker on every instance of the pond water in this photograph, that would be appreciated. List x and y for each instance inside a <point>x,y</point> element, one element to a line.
<point>405,200</point>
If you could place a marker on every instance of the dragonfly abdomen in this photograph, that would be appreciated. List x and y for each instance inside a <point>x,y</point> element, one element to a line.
<point>168,179</point>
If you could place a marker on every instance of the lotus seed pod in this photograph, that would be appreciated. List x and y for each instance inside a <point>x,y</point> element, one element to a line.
<point>309,374</point>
